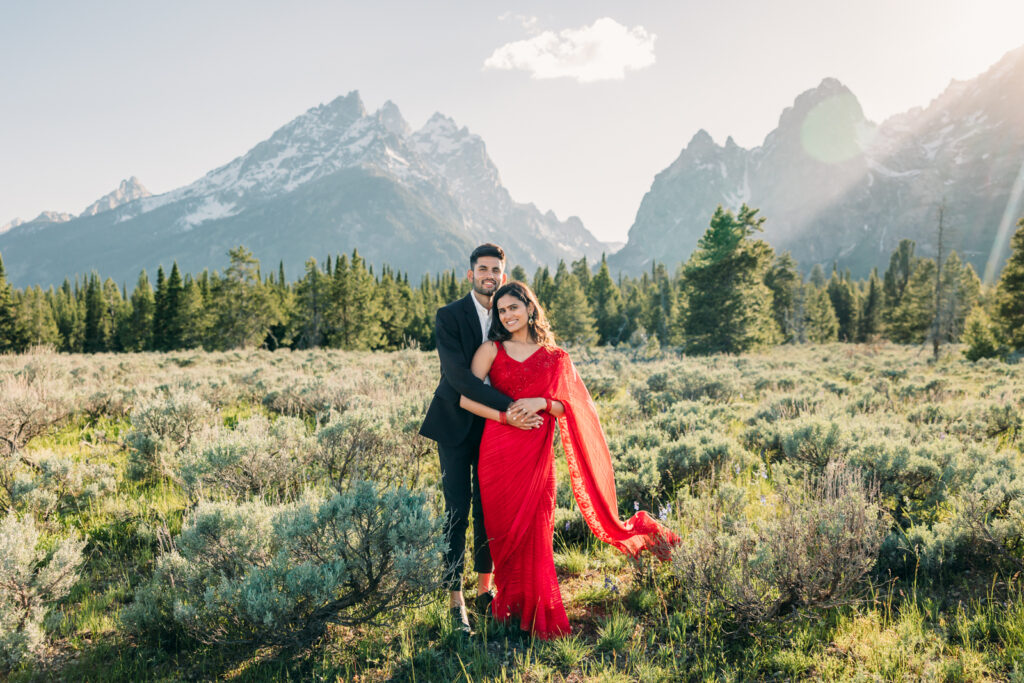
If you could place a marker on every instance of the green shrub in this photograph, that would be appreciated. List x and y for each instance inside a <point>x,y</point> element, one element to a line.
<point>162,427</point>
<point>257,457</point>
<point>258,573</point>
<point>57,484</point>
<point>810,549</point>
<point>31,581</point>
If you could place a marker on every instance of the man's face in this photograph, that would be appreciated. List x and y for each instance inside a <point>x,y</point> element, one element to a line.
<point>487,275</point>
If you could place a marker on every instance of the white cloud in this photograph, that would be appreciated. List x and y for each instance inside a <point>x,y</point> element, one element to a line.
<point>527,22</point>
<point>602,51</point>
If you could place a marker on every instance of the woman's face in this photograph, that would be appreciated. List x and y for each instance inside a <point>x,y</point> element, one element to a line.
<point>513,313</point>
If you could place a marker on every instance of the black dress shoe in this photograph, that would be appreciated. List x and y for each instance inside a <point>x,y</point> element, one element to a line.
<point>460,621</point>
<point>483,605</point>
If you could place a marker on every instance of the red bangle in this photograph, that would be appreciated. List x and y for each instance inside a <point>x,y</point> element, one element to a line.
<point>548,401</point>
<point>502,417</point>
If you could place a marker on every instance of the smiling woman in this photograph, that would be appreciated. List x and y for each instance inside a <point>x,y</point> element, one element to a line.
<point>516,466</point>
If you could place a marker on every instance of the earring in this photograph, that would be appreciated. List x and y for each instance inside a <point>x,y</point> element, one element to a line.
<point>530,319</point>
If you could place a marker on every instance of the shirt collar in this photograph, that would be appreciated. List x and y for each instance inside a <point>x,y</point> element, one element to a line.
<point>480,310</point>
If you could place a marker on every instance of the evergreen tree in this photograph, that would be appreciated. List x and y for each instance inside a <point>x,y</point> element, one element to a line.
<point>396,303</point>
<point>581,270</point>
<point>632,311</point>
<point>518,274</point>
<point>160,311</point>
<point>1009,308</point>
<point>822,325</point>
<point>911,320</point>
<point>817,276</point>
<point>8,317</point>
<point>243,307</point>
<point>869,323</point>
<point>959,291</point>
<point>979,336</point>
<point>659,305</point>
<point>35,324</point>
<point>139,331</point>
<point>844,303</point>
<point>606,302</point>
<point>544,287</point>
<point>355,312</point>
<point>729,306</point>
<point>95,316</point>
<point>69,313</point>
<point>117,311</point>
<point>169,310</point>
<point>197,316</point>
<point>784,281</point>
<point>897,276</point>
<point>571,319</point>
<point>312,297</point>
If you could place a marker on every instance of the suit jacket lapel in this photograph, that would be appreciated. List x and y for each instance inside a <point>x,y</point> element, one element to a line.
<point>469,309</point>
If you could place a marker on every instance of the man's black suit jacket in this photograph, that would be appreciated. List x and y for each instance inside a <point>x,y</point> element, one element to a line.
<point>457,331</point>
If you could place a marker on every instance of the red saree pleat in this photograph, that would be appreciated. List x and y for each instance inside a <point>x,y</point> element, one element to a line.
<point>517,487</point>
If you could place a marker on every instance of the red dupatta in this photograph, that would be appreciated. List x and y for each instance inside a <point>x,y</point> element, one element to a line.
<point>592,475</point>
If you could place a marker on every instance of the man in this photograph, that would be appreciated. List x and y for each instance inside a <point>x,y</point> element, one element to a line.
<point>460,328</point>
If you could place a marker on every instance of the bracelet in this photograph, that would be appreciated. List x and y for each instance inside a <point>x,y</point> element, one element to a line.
<point>502,417</point>
<point>548,402</point>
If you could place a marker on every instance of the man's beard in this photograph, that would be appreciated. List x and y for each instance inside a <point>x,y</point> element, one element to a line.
<point>479,288</point>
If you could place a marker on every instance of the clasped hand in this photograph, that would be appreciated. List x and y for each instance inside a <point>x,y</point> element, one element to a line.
<point>523,413</point>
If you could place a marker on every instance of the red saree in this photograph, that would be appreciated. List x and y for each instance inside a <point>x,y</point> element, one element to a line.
<point>517,489</point>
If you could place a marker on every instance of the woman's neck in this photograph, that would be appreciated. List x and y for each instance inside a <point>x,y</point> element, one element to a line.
<point>521,336</point>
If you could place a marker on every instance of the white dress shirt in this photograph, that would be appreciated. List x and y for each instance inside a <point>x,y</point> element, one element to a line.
<point>485,318</point>
<point>485,323</point>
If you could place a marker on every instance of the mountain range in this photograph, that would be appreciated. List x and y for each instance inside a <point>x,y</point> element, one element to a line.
<point>836,188</point>
<point>334,179</point>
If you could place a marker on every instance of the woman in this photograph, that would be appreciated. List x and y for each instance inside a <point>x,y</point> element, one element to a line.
<point>517,476</point>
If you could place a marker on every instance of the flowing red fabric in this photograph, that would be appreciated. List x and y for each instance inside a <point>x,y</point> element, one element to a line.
<point>517,489</point>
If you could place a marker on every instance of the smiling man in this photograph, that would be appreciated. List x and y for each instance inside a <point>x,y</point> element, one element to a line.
<point>459,328</point>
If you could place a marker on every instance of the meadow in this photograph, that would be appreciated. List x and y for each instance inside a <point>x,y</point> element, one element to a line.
<point>848,512</point>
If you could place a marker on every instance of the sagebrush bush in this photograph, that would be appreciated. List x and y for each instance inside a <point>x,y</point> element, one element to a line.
<point>364,442</point>
<point>810,547</point>
<point>260,573</point>
<point>257,457</point>
<point>31,580</point>
<point>34,399</point>
<point>54,483</point>
<point>164,426</point>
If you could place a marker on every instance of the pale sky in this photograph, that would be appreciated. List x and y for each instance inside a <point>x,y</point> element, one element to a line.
<point>580,103</point>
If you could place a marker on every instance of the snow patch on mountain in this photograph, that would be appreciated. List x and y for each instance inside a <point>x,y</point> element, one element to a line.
<point>210,209</point>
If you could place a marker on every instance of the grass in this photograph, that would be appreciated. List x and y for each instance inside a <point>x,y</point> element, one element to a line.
<point>629,622</point>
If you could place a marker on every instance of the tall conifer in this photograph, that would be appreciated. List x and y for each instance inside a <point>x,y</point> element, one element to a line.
<point>729,306</point>
<point>8,340</point>
<point>1009,309</point>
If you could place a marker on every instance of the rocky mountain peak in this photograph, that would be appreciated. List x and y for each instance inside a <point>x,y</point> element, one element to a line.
<point>128,190</point>
<point>342,111</point>
<point>12,224</point>
<point>52,217</point>
<point>392,119</point>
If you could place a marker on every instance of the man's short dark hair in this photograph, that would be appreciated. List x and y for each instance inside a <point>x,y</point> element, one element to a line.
<point>488,249</point>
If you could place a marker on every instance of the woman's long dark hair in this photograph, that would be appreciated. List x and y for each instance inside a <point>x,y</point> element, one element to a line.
<point>540,330</point>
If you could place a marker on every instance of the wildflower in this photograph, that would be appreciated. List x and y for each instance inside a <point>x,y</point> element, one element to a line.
<point>566,525</point>
<point>736,467</point>
<point>662,514</point>
<point>763,472</point>
<point>763,500</point>
<point>636,506</point>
